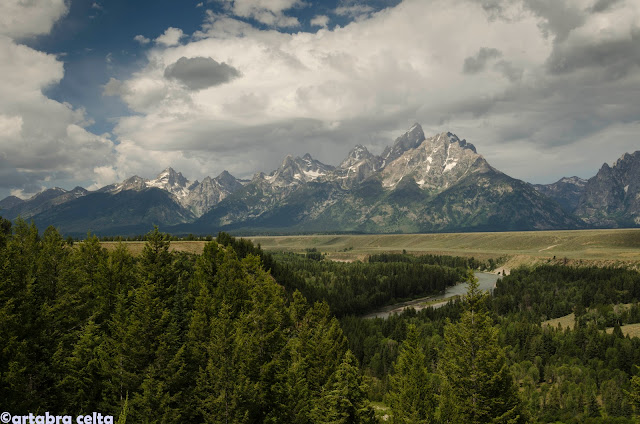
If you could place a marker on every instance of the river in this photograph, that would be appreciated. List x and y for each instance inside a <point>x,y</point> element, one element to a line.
<point>486,281</point>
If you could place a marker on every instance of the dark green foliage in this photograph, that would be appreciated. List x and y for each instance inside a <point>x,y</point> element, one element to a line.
<point>571,376</point>
<point>344,399</point>
<point>172,337</point>
<point>411,397</point>
<point>356,288</point>
<point>442,260</point>
<point>555,291</point>
<point>160,338</point>
<point>477,386</point>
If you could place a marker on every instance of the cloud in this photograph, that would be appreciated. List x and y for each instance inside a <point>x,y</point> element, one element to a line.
<point>200,4</point>
<point>510,71</point>
<point>540,78</point>
<point>478,62</point>
<point>200,72</point>
<point>320,21</point>
<point>615,50</point>
<point>603,5</point>
<point>324,92</point>
<point>171,37</point>
<point>42,141</point>
<point>142,39</point>
<point>353,11</point>
<point>270,13</point>
<point>21,19</point>
<point>114,87</point>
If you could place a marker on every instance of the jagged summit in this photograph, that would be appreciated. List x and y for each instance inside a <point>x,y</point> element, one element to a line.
<point>439,183</point>
<point>297,170</point>
<point>172,181</point>
<point>358,153</point>
<point>225,176</point>
<point>463,143</point>
<point>409,140</point>
<point>612,196</point>
<point>436,163</point>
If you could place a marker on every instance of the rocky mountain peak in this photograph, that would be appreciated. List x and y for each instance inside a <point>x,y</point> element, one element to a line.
<point>572,180</point>
<point>407,141</point>
<point>294,171</point>
<point>612,196</point>
<point>436,163</point>
<point>228,182</point>
<point>462,143</point>
<point>357,166</point>
<point>224,176</point>
<point>357,154</point>
<point>566,191</point>
<point>170,177</point>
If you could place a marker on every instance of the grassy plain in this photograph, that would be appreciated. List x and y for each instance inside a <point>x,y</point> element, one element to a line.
<point>605,247</point>
<point>568,321</point>
<point>601,247</point>
<point>135,247</point>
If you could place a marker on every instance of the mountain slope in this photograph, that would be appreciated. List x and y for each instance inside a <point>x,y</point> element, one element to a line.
<point>417,184</point>
<point>435,184</point>
<point>566,191</point>
<point>612,197</point>
<point>42,201</point>
<point>125,212</point>
<point>197,197</point>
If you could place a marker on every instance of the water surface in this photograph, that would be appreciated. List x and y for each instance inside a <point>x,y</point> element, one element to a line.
<point>486,281</point>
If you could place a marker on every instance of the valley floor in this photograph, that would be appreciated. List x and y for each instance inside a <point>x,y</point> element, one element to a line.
<point>579,247</point>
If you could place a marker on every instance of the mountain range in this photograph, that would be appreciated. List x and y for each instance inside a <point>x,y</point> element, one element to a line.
<point>417,184</point>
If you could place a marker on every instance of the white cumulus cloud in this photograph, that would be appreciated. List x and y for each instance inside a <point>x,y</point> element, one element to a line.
<point>320,21</point>
<point>268,12</point>
<point>20,19</point>
<point>142,39</point>
<point>171,37</point>
<point>368,81</point>
<point>41,140</point>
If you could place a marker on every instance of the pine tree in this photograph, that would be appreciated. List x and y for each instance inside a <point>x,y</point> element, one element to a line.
<point>411,397</point>
<point>477,386</point>
<point>345,397</point>
<point>81,384</point>
<point>634,393</point>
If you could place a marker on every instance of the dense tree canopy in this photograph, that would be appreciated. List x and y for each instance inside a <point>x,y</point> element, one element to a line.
<point>237,335</point>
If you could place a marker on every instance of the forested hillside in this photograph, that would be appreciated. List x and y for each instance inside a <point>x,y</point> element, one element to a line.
<point>237,335</point>
<point>164,337</point>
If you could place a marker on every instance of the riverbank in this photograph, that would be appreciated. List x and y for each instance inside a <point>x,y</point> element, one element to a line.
<point>486,281</point>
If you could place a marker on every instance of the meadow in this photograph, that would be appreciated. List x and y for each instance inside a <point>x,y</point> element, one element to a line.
<point>580,247</point>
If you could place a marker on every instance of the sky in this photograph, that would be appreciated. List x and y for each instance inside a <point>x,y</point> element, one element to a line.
<point>95,91</point>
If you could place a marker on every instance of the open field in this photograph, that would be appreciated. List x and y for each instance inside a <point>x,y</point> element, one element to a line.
<point>135,247</point>
<point>602,247</point>
<point>566,321</point>
<point>631,330</point>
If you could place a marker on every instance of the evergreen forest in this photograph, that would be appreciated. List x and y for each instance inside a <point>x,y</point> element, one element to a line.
<point>239,335</point>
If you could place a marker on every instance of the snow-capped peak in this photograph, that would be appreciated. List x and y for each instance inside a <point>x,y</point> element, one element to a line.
<point>572,180</point>
<point>171,181</point>
<point>297,170</point>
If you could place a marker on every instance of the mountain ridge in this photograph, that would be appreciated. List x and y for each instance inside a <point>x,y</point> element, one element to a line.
<point>418,184</point>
